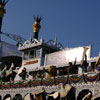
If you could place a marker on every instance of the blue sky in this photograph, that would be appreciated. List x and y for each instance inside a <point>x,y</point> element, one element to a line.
<point>75,22</point>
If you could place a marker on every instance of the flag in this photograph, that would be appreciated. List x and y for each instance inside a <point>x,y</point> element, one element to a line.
<point>9,71</point>
<point>64,91</point>
<point>84,54</point>
<point>54,95</point>
<point>27,97</point>
<point>98,60</point>
<point>8,98</point>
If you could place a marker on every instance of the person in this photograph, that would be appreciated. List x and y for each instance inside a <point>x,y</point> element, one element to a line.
<point>51,72</point>
<point>72,67</point>
<point>98,67</point>
<point>3,76</point>
<point>97,64</point>
<point>89,69</point>
<point>84,65</point>
<point>23,74</point>
<point>12,75</point>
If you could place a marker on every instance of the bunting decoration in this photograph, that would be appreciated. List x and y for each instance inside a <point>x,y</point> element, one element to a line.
<point>48,82</point>
<point>24,84</point>
<point>35,83</point>
<point>51,81</point>
<point>5,85</point>
<point>92,78</point>
<point>75,79</point>
<point>63,80</point>
<point>15,85</point>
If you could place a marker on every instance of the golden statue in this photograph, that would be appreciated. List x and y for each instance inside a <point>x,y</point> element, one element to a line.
<point>51,72</point>
<point>2,5</point>
<point>2,11</point>
<point>36,26</point>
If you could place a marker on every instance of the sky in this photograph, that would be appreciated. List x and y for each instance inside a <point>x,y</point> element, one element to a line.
<point>74,22</point>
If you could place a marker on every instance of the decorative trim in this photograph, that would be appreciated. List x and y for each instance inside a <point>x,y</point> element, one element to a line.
<point>31,62</point>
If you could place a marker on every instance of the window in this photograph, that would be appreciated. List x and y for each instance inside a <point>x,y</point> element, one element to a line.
<point>38,53</point>
<point>26,55</point>
<point>45,51</point>
<point>32,54</point>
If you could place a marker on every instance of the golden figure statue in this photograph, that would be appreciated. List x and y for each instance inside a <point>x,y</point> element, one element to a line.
<point>36,26</point>
<point>2,11</point>
<point>51,72</point>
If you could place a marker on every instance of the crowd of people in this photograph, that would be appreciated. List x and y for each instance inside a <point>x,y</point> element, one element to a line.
<point>52,71</point>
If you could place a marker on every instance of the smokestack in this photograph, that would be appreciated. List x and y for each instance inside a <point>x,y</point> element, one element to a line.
<point>36,26</point>
<point>2,11</point>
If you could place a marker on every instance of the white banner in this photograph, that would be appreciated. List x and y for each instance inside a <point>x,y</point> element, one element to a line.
<point>67,55</point>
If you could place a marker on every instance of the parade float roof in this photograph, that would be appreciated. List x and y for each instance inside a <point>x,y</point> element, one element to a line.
<point>8,50</point>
